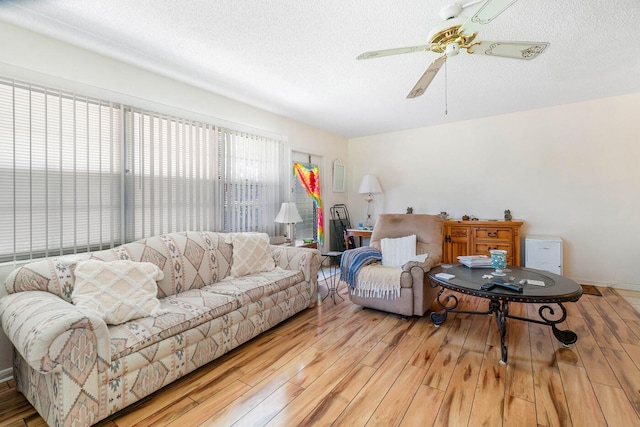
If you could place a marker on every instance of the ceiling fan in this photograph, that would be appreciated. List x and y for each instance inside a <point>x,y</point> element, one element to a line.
<point>456,33</point>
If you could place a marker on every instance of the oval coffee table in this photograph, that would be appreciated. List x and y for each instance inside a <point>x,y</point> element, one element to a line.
<point>556,290</point>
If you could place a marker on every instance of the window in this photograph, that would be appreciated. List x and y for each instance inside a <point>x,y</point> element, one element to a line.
<point>59,172</point>
<point>79,174</point>
<point>252,170</point>
<point>170,176</point>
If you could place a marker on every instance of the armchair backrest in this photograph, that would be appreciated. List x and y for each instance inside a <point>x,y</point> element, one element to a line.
<point>427,228</point>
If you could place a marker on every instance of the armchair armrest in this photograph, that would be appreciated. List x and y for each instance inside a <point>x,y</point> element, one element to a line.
<point>41,326</point>
<point>427,265</point>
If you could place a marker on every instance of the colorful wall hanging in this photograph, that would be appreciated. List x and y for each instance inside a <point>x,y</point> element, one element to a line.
<point>309,177</point>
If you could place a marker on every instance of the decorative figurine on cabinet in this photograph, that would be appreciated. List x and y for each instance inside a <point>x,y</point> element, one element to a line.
<point>507,215</point>
<point>409,210</point>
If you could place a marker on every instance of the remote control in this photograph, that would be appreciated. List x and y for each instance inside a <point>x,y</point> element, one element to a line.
<point>510,286</point>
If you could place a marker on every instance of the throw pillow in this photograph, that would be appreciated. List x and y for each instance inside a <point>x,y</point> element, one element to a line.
<point>396,252</point>
<point>118,291</point>
<point>251,254</point>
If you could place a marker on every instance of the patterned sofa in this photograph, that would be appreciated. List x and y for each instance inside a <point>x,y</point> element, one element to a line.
<point>76,369</point>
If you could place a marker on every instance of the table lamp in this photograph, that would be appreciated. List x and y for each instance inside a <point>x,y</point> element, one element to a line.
<point>289,215</point>
<point>369,186</point>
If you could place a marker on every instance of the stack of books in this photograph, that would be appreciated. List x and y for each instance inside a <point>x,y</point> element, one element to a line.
<point>475,261</point>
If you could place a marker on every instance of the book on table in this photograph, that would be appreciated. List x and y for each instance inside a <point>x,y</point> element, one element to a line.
<point>475,261</point>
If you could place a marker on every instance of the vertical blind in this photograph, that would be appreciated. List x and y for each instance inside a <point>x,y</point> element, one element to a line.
<point>60,169</point>
<point>170,174</point>
<point>80,174</point>
<point>253,175</point>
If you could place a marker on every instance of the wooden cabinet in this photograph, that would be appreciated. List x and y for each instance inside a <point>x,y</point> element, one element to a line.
<point>479,237</point>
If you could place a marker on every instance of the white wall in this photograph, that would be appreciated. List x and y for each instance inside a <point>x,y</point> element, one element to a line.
<point>39,59</point>
<point>571,171</point>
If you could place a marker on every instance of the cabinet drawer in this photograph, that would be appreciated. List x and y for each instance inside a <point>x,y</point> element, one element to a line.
<point>484,248</point>
<point>458,232</point>
<point>493,233</point>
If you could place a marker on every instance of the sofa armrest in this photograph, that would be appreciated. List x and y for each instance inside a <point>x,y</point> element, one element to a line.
<point>44,328</point>
<point>306,260</point>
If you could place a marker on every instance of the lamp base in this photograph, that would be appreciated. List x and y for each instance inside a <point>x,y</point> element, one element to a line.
<point>368,223</point>
<point>291,231</point>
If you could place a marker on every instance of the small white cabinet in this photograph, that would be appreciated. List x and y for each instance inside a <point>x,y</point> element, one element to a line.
<point>544,253</point>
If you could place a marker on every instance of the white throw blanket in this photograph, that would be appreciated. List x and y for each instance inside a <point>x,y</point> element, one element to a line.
<point>378,281</point>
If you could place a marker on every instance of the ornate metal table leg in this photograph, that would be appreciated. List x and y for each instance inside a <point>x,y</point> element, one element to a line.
<point>565,337</point>
<point>439,318</point>
<point>501,314</point>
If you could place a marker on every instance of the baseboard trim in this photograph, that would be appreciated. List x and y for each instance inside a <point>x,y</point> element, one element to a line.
<point>6,375</point>
<point>626,286</point>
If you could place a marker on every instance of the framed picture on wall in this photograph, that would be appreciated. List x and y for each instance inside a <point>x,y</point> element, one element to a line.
<point>338,176</point>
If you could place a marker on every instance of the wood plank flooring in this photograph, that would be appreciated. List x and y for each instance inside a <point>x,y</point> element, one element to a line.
<point>341,365</point>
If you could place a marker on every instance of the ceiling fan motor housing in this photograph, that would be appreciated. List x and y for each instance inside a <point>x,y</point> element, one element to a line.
<point>446,33</point>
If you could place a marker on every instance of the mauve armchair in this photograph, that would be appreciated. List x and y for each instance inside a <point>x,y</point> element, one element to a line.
<point>416,296</point>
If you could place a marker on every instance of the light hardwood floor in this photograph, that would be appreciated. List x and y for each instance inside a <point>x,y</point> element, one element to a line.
<point>344,366</point>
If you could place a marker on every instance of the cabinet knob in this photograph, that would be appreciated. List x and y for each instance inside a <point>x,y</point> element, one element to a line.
<point>492,234</point>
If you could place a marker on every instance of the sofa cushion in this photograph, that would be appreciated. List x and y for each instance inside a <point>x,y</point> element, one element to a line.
<point>118,291</point>
<point>189,260</point>
<point>251,288</point>
<point>251,254</point>
<point>187,310</point>
<point>396,252</point>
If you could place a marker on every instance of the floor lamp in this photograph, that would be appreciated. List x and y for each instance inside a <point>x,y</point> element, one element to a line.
<point>289,215</point>
<point>369,186</point>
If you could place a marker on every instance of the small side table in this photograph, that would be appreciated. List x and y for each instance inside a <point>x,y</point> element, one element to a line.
<point>353,232</point>
<point>333,278</point>
<point>298,244</point>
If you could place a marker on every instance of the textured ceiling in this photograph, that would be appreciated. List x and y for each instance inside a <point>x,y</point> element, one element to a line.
<point>297,58</point>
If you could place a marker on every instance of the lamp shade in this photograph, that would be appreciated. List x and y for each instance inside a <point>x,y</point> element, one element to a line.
<point>369,185</point>
<point>288,214</point>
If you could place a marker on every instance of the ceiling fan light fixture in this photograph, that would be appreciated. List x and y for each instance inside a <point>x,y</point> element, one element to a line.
<point>452,49</point>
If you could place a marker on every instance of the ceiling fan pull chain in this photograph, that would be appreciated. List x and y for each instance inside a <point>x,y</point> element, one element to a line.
<point>446,95</point>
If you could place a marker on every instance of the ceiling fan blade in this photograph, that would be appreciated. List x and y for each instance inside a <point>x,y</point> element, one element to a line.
<point>396,51</point>
<point>518,50</point>
<point>426,78</point>
<point>485,15</point>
